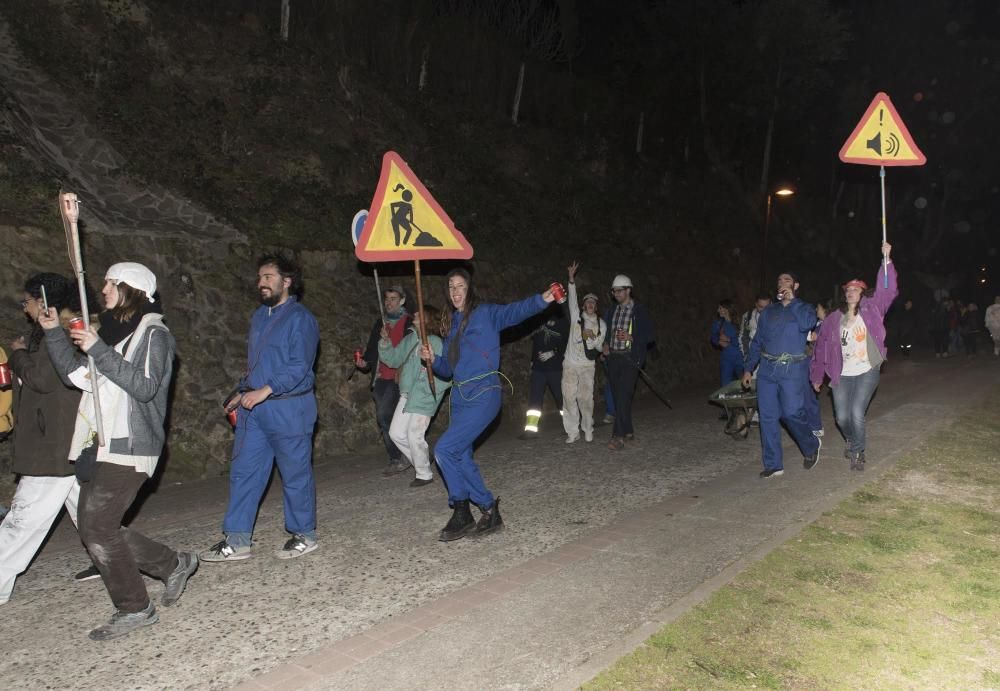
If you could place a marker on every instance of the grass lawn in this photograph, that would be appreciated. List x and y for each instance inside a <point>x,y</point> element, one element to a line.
<point>898,587</point>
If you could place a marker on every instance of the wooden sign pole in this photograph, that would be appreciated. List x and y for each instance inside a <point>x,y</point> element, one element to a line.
<point>423,324</point>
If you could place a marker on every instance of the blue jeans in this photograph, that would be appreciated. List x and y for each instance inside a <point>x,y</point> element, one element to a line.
<point>850,403</point>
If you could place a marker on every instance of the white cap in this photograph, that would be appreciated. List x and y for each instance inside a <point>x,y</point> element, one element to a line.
<point>590,296</point>
<point>621,281</point>
<point>136,275</point>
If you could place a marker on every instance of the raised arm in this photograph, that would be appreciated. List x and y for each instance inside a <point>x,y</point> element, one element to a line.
<point>805,315</point>
<point>506,316</point>
<point>64,355</point>
<point>574,306</point>
<point>885,294</point>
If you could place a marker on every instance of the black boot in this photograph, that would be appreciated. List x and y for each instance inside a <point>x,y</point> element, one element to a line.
<point>859,463</point>
<point>490,521</point>
<point>460,524</point>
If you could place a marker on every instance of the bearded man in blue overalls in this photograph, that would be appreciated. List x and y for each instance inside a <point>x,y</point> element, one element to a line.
<point>779,346</point>
<point>276,414</point>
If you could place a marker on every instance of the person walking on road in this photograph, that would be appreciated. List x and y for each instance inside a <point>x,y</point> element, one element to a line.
<point>586,335</point>
<point>548,349</point>
<point>779,347</point>
<point>417,403</point>
<point>813,415</point>
<point>970,329</point>
<point>275,417</point>
<point>470,357</point>
<point>993,324</point>
<point>725,338</point>
<point>630,331</point>
<point>849,351</point>
<point>133,352</point>
<point>385,384</point>
<point>46,408</point>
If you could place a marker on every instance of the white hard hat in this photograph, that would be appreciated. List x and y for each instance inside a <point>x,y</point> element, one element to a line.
<point>621,281</point>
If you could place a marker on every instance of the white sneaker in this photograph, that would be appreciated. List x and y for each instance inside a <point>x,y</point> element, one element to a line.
<point>572,439</point>
<point>588,435</point>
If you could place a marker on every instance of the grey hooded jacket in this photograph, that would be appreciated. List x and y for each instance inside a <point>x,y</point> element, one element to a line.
<point>147,394</point>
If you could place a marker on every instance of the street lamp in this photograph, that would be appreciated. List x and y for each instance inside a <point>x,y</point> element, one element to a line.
<point>782,192</point>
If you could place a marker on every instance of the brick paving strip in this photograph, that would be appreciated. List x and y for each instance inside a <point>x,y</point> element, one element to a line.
<point>312,669</point>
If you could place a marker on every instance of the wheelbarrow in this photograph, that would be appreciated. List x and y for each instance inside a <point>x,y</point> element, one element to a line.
<point>740,405</point>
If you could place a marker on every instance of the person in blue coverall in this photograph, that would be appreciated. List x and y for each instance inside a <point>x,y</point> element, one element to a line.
<point>276,414</point>
<point>779,346</point>
<point>470,357</point>
<point>725,337</point>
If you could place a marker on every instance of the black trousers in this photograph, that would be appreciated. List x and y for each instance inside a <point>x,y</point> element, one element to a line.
<point>622,374</point>
<point>541,380</point>
<point>119,553</point>
<point>386,395</point>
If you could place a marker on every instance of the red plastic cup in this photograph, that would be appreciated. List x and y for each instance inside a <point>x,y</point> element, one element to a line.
<point>558,292</point>
<point>76,323</point>
<point>4,375</point>
<point>231,416</point>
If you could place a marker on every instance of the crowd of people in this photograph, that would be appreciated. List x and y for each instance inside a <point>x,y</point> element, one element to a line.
<point>790,349</point>
<point>93,401</point>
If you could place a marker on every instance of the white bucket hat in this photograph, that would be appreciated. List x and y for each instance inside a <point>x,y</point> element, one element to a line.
<point>136,275</point>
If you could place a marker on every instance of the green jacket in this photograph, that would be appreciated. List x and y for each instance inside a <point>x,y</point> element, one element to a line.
<point>412,375</point>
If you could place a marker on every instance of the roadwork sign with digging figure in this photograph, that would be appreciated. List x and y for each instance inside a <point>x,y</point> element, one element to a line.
<point>405,222</point>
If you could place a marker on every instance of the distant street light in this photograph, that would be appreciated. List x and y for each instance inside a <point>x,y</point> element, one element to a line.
<point>780,192</point>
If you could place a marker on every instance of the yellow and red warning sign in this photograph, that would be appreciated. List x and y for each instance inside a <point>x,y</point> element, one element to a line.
<point>405,222</point>
<point>881,138</point>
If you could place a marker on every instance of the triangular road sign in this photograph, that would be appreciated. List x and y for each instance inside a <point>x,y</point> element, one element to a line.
<point>404,222</point>
<point>881,138</point>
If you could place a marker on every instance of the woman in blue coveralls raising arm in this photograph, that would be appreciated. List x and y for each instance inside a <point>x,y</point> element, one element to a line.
<point>470,357</point>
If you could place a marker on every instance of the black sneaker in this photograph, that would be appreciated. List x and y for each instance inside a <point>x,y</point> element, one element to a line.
<point>123,623</point>
<point>858,462</point>
<point>809,462</point>
<point>417,482</point>
<point>395,468</point>
<point>187,564</point>
<point>772,473</point>
<point>88,574</point>
<point>296,546</point>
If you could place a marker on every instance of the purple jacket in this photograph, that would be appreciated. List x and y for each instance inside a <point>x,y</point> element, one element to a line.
<point>827,357</point>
